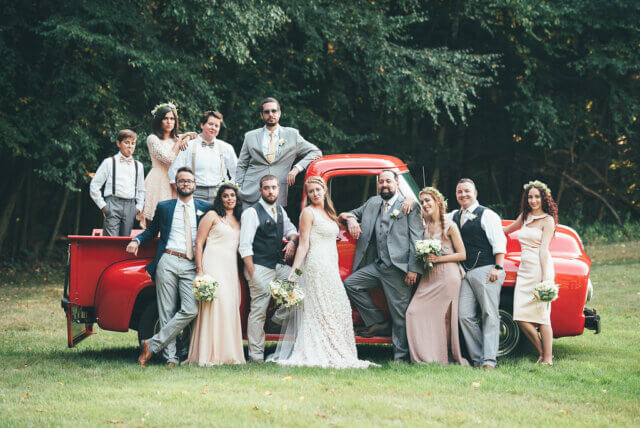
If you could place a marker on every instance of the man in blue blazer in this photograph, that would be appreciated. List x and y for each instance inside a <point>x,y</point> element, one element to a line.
<point>174,268</point>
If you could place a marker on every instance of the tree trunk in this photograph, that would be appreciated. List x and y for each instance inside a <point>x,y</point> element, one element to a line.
<point>10,205</point>
<point>56,228</point>
<point>492,173</point>
<point>24,235</point>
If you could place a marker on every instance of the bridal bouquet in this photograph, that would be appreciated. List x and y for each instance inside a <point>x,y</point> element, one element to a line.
<point>204,288</point>
<point>546,291</point>
<point>287,293</point>
<point>426,247</point>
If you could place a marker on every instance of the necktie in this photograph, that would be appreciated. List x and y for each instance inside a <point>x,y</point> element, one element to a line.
<point>187,233</point>
<point>127,160</point>
<point>205,144</point>
<point>385,207</point>
<point>271,154</point>
<point>275,213</point>
<point>463,218</point>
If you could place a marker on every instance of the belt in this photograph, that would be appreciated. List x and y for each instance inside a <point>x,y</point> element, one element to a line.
<point>122,199</point>
<point>177,254</point>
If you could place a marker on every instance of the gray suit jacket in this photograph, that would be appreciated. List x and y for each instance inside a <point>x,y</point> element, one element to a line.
<point>403,233</point>
<point>253,165</point>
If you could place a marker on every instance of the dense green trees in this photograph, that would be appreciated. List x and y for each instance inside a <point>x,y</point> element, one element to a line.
<point>499,90</point>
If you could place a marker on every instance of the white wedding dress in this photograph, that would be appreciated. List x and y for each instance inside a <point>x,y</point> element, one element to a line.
<point>320,332</point>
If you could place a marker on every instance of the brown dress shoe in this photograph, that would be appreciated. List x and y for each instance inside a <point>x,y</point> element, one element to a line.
<point>377,330</point>
<point>171,365</point>
<point>145,353</point>
<point>488,367</point>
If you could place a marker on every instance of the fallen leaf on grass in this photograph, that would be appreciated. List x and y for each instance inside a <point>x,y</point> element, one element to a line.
<point>204,391</point>
<point>160,392</point>
<point>185,393</point>
<point>301,398</point>
<point>267,412</point>
<point>428,394</point>
<point>604,391</point>
<point>475,384</point>
<point>320,415</point>
<point>268,394</point>
<point>26,395</point>
<point>256,408</point>
<point>287,378</point>
<point>60,383</point>
<point>114,421</point>
<point>40,411</point>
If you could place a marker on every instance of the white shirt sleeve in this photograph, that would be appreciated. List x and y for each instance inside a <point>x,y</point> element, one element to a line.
<point>181,160</point>
<point>492,225</point>
<point>230,162</point>
<point>99,180</point>
<point>140,192</point>
<point>249,225</point>
<point>289,228</point>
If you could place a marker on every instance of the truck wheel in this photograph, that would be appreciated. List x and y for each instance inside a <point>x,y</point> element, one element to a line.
<point>509,333</point>
<point>150,324</point>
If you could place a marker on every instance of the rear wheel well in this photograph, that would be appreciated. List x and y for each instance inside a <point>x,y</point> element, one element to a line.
<point>145,297</point>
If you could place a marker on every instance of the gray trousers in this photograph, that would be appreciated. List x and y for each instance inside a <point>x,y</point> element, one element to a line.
<point>174,284</point>
<point>397,293</point>
<point>206,193</point>
<point>120,214</point>
<point>260,296</point>
<point>475,293</point>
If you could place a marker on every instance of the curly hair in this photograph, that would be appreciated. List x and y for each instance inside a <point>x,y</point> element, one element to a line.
<point>439,202</point>
<point>156,123</point>
<point>548,204</point>
<point>218,206</point>
<point>328,204</point>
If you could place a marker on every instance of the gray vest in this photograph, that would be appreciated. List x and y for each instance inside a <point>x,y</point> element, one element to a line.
<point>267,243</point>
<point>383,224</point>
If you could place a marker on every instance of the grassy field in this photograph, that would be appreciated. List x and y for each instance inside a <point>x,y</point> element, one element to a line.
<point>595,379</point>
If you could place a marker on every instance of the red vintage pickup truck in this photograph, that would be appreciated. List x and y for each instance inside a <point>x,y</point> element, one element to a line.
<point>107,286</point>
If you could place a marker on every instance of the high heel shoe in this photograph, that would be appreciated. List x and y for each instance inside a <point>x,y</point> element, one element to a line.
<point>539,360</point>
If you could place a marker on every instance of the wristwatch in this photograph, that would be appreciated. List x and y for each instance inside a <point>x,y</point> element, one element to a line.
<point>498,267</point>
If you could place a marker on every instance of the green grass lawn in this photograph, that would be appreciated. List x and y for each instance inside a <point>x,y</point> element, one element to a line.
<point>595,379</point>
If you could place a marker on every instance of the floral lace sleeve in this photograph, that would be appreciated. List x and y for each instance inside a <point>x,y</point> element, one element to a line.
<point>160,151</point>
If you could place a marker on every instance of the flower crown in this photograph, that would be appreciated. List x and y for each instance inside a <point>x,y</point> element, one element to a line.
<point>171,105</point>
<point>438,195</point>
<point>538,184</point>
<point>228,183</point>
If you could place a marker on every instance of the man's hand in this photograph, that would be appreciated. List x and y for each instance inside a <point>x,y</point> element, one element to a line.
<point>289,250</point>
<point>353,227</point>
<point>291,177</point>
<point>493,275</point>
<point>104,209</point>
<point>132,248</point>
<point>410,279</point>
<point>407,204</point>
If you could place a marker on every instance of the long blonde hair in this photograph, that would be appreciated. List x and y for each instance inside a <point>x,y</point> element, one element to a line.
<point>328,204</point>
<point>440,201</point>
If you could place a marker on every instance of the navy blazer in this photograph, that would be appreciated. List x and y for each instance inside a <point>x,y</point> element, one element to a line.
<point>161,223</point>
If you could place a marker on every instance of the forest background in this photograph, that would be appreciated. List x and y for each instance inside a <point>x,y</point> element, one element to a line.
<point>501,91</point>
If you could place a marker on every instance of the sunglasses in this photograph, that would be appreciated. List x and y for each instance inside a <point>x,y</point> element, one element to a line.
<point>274,111</point>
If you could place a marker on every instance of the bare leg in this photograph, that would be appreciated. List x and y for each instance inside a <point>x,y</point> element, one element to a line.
<point>547,343</point>
<point>530,331</point>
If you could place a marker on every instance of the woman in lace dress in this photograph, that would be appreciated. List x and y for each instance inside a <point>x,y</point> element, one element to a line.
<point>432,315</point>
<point>324,329</point>
<point>164,144</point>
<point>537,223</point>
<point>217,331</point>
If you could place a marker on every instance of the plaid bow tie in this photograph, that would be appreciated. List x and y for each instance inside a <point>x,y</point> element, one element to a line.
<point>128,160</point>
<point>205,144</point>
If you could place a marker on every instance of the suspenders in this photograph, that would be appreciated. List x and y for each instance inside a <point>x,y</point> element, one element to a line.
<point>223,171</point>
<point>113,177</point>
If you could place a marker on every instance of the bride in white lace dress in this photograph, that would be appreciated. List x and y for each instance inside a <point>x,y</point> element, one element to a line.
<point>320,332</point>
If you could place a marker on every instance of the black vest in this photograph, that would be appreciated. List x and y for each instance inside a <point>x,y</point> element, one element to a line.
<point>479,250</point>
<point>267,243</point>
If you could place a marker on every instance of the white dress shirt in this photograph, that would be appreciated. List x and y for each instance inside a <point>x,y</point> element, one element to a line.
<point>492,226</point>
<point>390,203</point>
<point>250,224</point>
<point>177,240</point>
<point>207,169</point>
<point>266,138</point>
<point>125,181</point>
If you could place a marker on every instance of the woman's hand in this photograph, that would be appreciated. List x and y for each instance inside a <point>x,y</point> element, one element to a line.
<point>292,276</point>
<point>433,258</point>
<point>199,273</point>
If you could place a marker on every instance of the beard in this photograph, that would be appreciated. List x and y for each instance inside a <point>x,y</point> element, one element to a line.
<point>270,199</point>
<point>386,194</point>
<point>185,193</point>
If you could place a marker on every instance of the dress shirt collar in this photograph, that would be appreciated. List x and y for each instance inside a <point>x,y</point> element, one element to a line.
<point>189,204</point>
<point>472,208</point>
<point>199,140</point>
<point>121,156</point>
<point>276,131</point>
<point>268,207</point>
<point>391,201</point>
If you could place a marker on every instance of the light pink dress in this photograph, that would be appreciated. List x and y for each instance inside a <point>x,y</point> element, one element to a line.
<point>438,290</point>
<point>156,185</point>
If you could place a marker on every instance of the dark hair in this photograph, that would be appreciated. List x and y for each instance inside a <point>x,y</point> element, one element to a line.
<point>395,174</point>
<point>269,100</point>
<point>218,206</point>
<point>548,204</point>
<point>211,113</point>
<point>268,177</point>
<point>126,133</point>
<point>467,180</point>
<point>185,169</point>
<point>156,123</point>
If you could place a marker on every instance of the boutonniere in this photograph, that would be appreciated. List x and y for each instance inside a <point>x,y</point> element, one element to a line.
<point>395,214</point>
<point>199,213</point>
<point>471,216</point>
<point>281,142</point>
<point>268,222</point>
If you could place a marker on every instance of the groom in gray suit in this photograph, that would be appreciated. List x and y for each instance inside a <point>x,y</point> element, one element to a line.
<point>385,255</point>
<point>272,150</point>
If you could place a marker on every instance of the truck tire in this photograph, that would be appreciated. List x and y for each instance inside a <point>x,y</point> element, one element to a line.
<point>509,333</point>
<point>150,324</point>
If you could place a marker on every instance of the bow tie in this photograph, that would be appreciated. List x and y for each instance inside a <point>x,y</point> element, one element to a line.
<point>205,144</point>
<point>127,160</point>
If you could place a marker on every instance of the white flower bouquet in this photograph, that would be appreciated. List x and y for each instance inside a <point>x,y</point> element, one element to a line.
<point>546,291</point>
<point>204,288</point>
<point>426,247</point>
<point>287,293</point>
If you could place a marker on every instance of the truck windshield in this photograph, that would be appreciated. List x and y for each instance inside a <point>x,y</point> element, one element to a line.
<point>408,185</point>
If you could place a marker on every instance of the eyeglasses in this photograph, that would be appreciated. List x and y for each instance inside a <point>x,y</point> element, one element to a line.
<point>185,181</point>
<point>274,111</point>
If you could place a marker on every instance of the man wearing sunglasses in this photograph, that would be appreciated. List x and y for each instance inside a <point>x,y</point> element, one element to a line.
<point>273,150</point>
